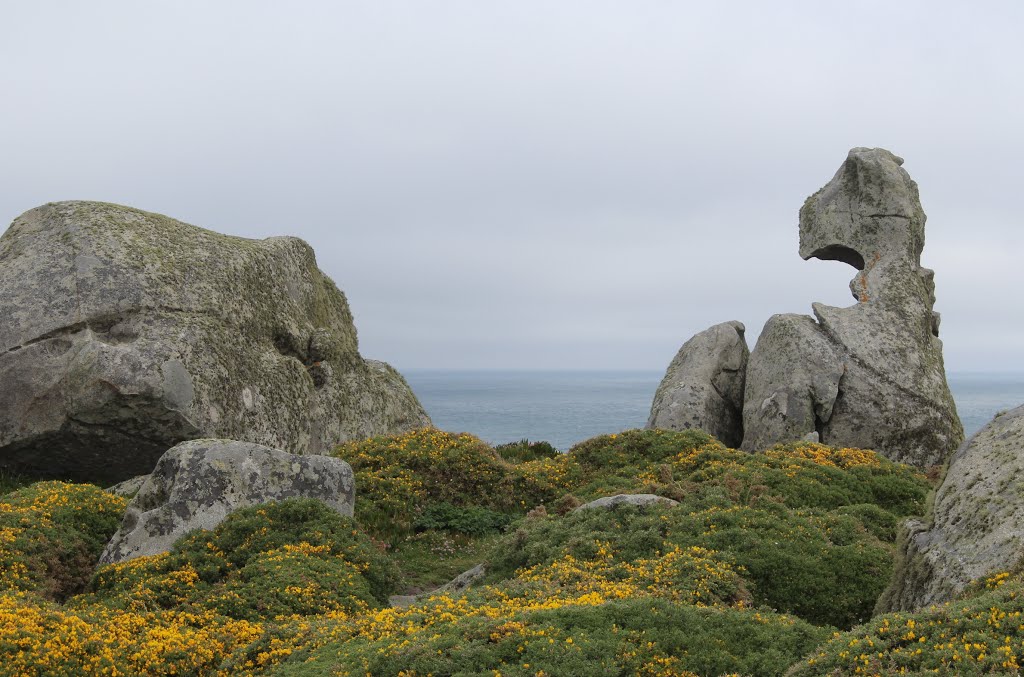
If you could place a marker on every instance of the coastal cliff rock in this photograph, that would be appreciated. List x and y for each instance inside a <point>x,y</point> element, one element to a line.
<point>976,524</point>
<point>703,386</point>
<point>197,484</point>
<point>870,375</point>
<point>126,332</point>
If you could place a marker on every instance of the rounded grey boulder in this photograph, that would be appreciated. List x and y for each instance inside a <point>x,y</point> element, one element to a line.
<point>703,386</point>
<point>976,523</point>
<point>126,332</point>
<point>198,483</point>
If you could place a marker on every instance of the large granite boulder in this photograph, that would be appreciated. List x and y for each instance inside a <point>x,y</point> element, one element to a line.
<point>976,523</point>
<point>126,332</point>
<point>198,483</point>
<point>870,375</point>
<point>703,386</point>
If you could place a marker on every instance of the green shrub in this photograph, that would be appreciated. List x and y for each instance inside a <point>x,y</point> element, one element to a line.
<point>979,635</point>
<point>400,476</point>
<point>52,534</point>
<point>804,475</point>
<point>640,636</point>
<point>297,556</point>
<point>9,481</point>
<point>472,520</point>
<point>525,450</point>
<point>823,567</point>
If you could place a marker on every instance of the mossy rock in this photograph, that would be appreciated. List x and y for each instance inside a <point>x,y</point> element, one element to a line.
<point>129,332</point>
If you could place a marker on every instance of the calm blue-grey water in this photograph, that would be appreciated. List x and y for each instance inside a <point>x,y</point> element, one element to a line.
<point>569,406</point>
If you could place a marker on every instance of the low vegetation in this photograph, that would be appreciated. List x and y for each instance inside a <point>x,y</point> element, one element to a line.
<point>755,569</point>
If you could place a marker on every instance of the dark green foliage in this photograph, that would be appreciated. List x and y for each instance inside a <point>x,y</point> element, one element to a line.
<point>52,534</point>
<point>979,634</point>
<point>429,559</point>
<point>246,565</point>
<point>635,448</point>
<point>9,481</point>
<point>525,450</point>
<point>400,476</point>
<point>823,567</point>
<point>875,519</point>
<point>298,582</point>
<point>625,637</point>
<point>472,520</point>
<point>808,476</point>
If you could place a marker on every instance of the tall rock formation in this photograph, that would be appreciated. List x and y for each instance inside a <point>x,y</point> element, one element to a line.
<point>123,333</point>
<point>870,375</point>
<point>975,527</point>
<point>703,386</point>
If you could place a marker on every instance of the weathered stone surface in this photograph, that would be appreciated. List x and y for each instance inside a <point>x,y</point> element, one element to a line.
<point>871,375</point>
<point>975,526</point>
<point>636,500</point>
<point>198,483</point>
<point>126,332</point>
<point>792,385</point>
<point>703,386</point>
<point>129,487</point>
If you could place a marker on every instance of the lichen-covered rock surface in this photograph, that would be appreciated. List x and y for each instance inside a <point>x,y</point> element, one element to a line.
<point>703,386</point>
<point>126,332</point>
<point>870,375</point>
<point>976,524</point>
<point>198,483</point>
<point>629,500</point>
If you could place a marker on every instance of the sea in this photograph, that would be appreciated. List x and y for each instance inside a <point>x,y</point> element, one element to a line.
<point>566,407</point>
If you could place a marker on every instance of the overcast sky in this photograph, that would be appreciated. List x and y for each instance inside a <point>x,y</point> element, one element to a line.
<point>537,184</point>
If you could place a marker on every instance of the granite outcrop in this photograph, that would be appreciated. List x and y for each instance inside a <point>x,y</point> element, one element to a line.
<point>126,332</point>
<point>975,525</point>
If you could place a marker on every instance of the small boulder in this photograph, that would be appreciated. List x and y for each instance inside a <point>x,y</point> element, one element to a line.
<point>636,500</point>
<point>703,386</point>
<point>975,527</point>
<point>196,484</point>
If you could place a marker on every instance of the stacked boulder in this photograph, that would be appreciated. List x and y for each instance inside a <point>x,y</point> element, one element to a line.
<point>870,375</point>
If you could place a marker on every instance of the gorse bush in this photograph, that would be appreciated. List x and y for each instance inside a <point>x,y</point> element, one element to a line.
<point>824,568</point>
<point>747,574</point>
<point>40,639</point>
<point>293,557</point>
<point>679,611</point>
<point>981,634</point>
<point>52,534</point>
<point>400,476</point>
<point>636,636</point>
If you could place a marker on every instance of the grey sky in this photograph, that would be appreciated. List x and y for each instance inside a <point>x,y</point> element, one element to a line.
<point>537,184</point>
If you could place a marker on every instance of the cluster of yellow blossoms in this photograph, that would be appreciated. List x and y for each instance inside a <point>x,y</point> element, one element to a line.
<point>973,636</point>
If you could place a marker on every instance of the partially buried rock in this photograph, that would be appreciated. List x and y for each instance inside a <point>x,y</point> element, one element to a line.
<point>703,386</point>
<point>870,375</point>
<point>976,524</point>
<point>197,484</point>
<point>631,500</point>
<point>125,332</point>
